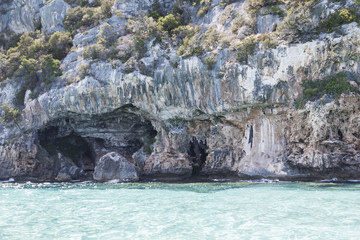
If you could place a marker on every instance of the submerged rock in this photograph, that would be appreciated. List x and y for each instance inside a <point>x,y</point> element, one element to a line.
<point>114,166</point>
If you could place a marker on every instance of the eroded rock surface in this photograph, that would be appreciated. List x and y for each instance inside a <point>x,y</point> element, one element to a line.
<point>114,166</point>
<point>175,117</point>
<point>53,15</point>
<point>19,16</point>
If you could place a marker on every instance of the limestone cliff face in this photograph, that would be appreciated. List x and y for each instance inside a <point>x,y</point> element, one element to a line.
<point>186,119</point>
<point>52,16</point>
<point>19,16</point>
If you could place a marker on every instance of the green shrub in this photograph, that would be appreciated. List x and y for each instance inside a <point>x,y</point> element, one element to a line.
<point>107,35</point>
<point>105,8</point>
<point>227,15</point>
<point>105,47</point>
<point>178,10</point>
<point>82,3</point>
<point>85,17</point>
<point>245,49</point>
<point>49,68</point>
<point>191,45</point>
<point>94,51</point>
<point>296,25</point>
<point>253,6</point>
<point>169,22</point>
<point>179,33</point>
<point>140,47</point>
<point>83,70</point>
<point>195,43</point>
<point>189,39</point>
<point>60,43</point>
<point>238,22</point>
<point>204,10</point>
<point>3,64</point>
<point>344,16</point>
<point>257,4</point>
<point>193,2</point>
<point>275,10</point>
<point>210,62</point>
<point>10,115</point>
<point>210,39</point>
<point>33,72</point>
<point>155,15</point>
<point>156,11</point>
<point>145,27</point>
<point>333,86</point>
<point>226,2</point>
<point>268,41</point>
<point>32,59</point>
<point>7,42</point>
<point>27,69</point>
<point>80,17</point>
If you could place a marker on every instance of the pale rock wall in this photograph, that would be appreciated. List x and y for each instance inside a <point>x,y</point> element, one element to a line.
<point>240,123</point>
<point>132,8</point>
<point>19,16</point>
<point>254,96</point>
<point>53,15</point>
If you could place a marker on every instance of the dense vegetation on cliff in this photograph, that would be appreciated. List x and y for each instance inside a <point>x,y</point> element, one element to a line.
<point>34,58</point>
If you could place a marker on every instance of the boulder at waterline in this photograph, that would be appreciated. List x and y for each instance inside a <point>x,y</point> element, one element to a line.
<point>114,166</point>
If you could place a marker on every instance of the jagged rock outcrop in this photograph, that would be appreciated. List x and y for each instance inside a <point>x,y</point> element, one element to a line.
<point>133,8</point>
<point>114,166</point>
<point>267,22</point>
<point>175,116</point>
<point>19,16</point>
<point>52,16</point>
<point>326,139</point>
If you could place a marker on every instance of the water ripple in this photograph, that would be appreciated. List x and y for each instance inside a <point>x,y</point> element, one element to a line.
<point>179,211</point>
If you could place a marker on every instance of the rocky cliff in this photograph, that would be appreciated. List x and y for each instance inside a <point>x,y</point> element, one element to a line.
<point>259,89</point>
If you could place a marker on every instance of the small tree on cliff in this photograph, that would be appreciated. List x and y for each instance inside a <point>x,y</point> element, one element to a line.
<point>10,115</point>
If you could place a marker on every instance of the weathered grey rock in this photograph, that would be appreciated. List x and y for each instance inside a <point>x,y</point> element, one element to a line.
<point>53,15</point>
<point>320,142</point>
<point>253,99</point>
<point>267,23</point>
<point>63,175</point>
<point>234,119</point>
<point>19,16</point>
<point>140,157</point>
<point>90,36</point>
<point>114,166</point>
<point>69,172</point>
<point>75,172</point>
<point>20,157</point>
<point>133,7</point>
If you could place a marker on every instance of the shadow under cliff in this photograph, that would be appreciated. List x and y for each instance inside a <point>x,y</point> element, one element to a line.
<point>81,139</point>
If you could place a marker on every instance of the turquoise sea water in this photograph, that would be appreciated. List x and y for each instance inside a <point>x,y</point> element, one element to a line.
<point>180,211</point>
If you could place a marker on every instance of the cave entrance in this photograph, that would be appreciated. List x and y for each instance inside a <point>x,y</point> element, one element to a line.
<point>84,138</point>
<point>72,146</point>
<point>198,153</point>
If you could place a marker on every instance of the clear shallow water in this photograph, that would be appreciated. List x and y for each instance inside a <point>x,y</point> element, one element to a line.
<point>180,211</point>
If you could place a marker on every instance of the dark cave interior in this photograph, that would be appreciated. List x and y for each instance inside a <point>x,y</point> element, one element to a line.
<point>198,153</point>
<point>84,139</point>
